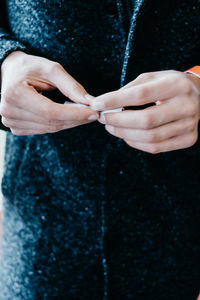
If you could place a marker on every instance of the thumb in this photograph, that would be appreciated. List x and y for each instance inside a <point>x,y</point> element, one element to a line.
<point>69,86</point>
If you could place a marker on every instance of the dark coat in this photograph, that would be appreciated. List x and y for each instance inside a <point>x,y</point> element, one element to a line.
<point>85,215</point>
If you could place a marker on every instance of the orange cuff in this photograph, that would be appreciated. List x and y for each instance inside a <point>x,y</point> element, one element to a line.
<point>194,70</point>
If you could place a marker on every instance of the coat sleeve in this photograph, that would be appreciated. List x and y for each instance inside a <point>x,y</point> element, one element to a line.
<point>8,42</point>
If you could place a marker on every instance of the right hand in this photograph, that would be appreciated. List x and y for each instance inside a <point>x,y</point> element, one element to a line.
<point>25,111</point>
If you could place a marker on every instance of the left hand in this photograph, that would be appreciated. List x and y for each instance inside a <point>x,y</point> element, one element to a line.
<point>171,124</point>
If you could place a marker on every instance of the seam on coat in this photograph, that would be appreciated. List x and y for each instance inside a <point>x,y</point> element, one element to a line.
<point>131,34</point>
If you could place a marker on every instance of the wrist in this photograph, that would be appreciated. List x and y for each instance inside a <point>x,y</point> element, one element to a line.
<point>194,75</point>
<point>195,80</point>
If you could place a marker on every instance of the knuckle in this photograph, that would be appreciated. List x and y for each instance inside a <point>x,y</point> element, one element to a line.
<point>6,122</point>
<point>22,59</point>
<point>17,131</point>
<point>192,139</point>
<point>129,143</point>
<point>152,136</point>
<point>147,121</point>
<point>141,76</point>
<point>8,95</point>
<point>12,94</point>
<point>153,149</point>
<point>53,66</point>
<point>192,125</point>
<point>3,110</point>
<point>192,107</point>
<point>173,71</point>
<point>142,92</point>
<point>145,76</point>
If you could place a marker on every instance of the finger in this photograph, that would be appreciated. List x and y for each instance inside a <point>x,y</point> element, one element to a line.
<point>43,107</point>
<point>148,76</point>
<point>157,134</point>
<point>21,124</point>
<point>171,110</point>
<point>70,87</point>
<point>175,143</point>
<point>43,130</point>
<point>149,92</point>
<point>11,112</point>
<point>143,78</point>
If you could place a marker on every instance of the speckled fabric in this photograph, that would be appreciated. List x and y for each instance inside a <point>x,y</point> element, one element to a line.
<point>85,215</point>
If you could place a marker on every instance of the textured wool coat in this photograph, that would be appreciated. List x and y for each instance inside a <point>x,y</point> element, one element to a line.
<point>85,215</point>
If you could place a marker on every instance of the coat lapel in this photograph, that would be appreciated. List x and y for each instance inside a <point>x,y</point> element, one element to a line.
<point>146,12</point>
<point>137,15</point>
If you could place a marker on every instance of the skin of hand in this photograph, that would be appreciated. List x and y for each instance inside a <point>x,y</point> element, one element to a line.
<point>170,123</point>
<point>25,110</point>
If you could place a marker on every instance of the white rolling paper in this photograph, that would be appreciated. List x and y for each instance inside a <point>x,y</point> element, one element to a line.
<point>111,110</point>
<point>102,112</point>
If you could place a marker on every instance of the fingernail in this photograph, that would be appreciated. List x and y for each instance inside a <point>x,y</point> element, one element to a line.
<point>102,119</point>
<point>97,105</point>
<point>110,128</point>
<point>93,117</point>
<point>89,97</point>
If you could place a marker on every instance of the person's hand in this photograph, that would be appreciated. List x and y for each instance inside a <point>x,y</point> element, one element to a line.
<point>25,110</point>
<point>170,125</point>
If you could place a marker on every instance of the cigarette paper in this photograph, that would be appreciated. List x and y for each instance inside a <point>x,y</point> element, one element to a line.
<point>111,110</point>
